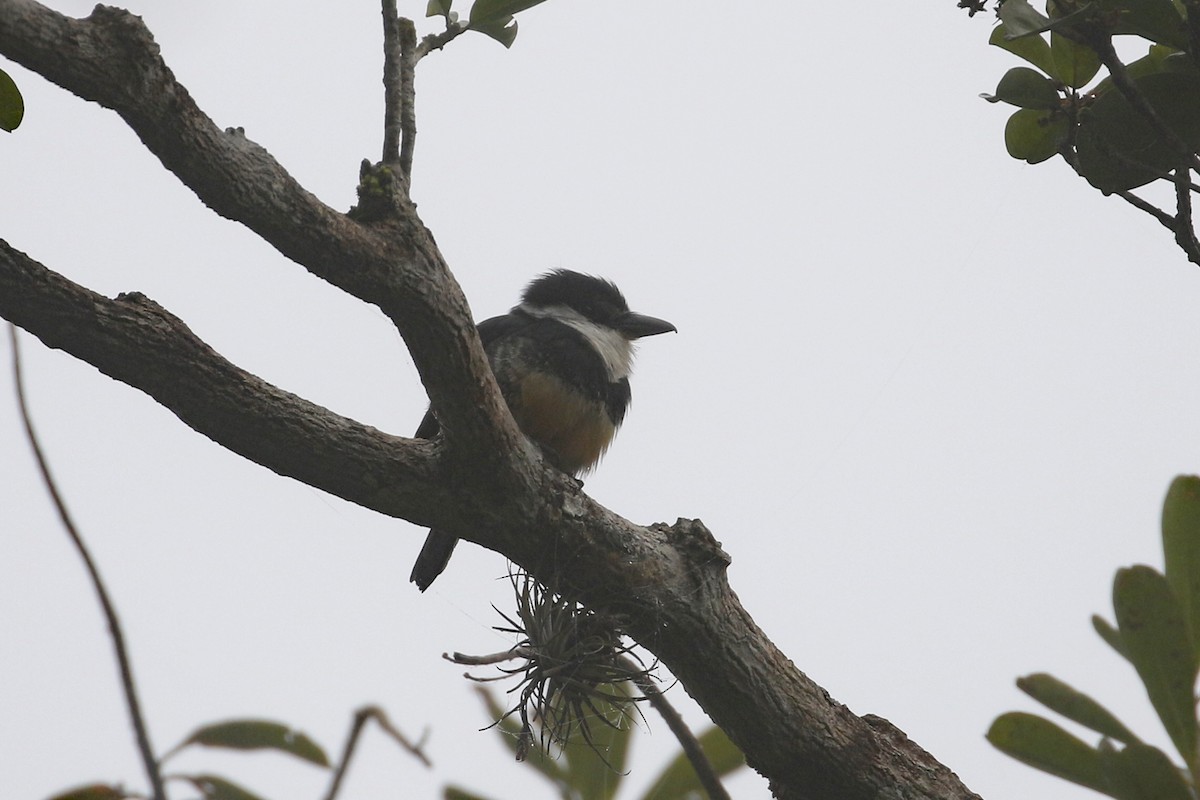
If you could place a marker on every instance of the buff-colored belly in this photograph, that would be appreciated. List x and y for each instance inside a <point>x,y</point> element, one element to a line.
<point>575,431</point>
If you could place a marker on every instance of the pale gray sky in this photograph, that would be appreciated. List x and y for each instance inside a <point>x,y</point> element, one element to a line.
<point>929,398</point>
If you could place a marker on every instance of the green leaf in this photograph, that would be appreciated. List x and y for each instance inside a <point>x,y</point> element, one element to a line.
<point>1075,64</point>
<point>594,777</point>
<point>587,773</point>
<point>212,787</point>
<point>1154,632</point>
<point>1118,149</point>
<point>456,793</point>
<point>1031,48</point>
<point>1021,19</point>
<point>509,730</point>
<point>1026,88</point>
<point>503,31</point>
<point>95,791</point>
<point>1181,547</point>
<point>248,734</point>
<point>1074,705</point>
<point>1156,20</point>
<point>12,105</point>
<point>1142,771</point>
<point>438,8</point>
<point>499,9</point>
<point>1040,743</point>
<point>678,781</point>
<point>1109,634</point>
<point>495,18</point>
<point>1034,135</point>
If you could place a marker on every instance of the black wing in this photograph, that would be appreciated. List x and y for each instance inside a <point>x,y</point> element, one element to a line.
<point>489,331</point>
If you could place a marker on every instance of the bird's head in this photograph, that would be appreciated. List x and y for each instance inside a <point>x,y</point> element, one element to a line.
<point>575,298</point>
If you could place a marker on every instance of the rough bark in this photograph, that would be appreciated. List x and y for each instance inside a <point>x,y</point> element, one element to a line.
<point>481,481</point>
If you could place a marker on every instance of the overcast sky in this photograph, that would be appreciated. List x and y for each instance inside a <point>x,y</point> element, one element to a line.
<point>929,398</point>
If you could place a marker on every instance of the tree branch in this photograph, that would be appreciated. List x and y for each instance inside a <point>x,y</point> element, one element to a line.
<point>683,734</point>
<point>408,105</point>
<point>361,717</point>
<point>136,341</point>
<point>436,41</point>
<point>399,75</point>
<point>667,581</point>
<point>1185,231</point>
<point>482,481</point>
<point>124,665</point>
<point>110,58</point>
<point>392,83</point>
<point>1151,209</point>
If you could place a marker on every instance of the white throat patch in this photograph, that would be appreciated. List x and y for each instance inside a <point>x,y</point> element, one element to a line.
<point>614,349</point>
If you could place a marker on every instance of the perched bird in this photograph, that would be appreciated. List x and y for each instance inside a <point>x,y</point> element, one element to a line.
<point>562,359</point>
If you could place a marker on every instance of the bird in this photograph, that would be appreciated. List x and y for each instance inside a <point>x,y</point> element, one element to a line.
<point>562,358</point>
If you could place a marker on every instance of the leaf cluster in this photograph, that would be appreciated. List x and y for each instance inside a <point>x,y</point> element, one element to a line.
<point>1136,124</point>
<point>493,18</point>
<point>1157,631</point>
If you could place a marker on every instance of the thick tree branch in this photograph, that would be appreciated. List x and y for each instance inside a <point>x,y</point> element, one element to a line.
<point>136,341</point>
<point>483,482</point>
<point>668,583</point>
<point>110,58</point>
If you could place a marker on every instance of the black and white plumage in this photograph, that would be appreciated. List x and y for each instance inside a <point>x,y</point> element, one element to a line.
<point>562,358</point>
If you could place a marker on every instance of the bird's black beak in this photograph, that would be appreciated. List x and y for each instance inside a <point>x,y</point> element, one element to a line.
<point>634,326</point>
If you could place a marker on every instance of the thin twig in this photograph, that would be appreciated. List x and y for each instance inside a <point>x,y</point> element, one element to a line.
<point>110,613</point>
<point>360,719</point>
<point>436,41</point>
<point>493,658</point>
<point>1163,217</point>
<point>1151,209</point>
<point>689,743</point>
<point>1185,233</point>
<point>408,96</point>
<point>392,83</point>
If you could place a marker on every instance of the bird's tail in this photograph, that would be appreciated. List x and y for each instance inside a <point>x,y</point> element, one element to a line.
<point>435,554</point>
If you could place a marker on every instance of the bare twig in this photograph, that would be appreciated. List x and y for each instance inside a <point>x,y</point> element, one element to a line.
<point>110,613</point>
<point>392,83</point>
<point>399,95</point>
<point>436,41</point>
<point>493,658</point>
<point>1151,209</point>
<point>360,719</point>
<point>689,743</point>
<point>1185,232</point>
<point>408,96</point>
